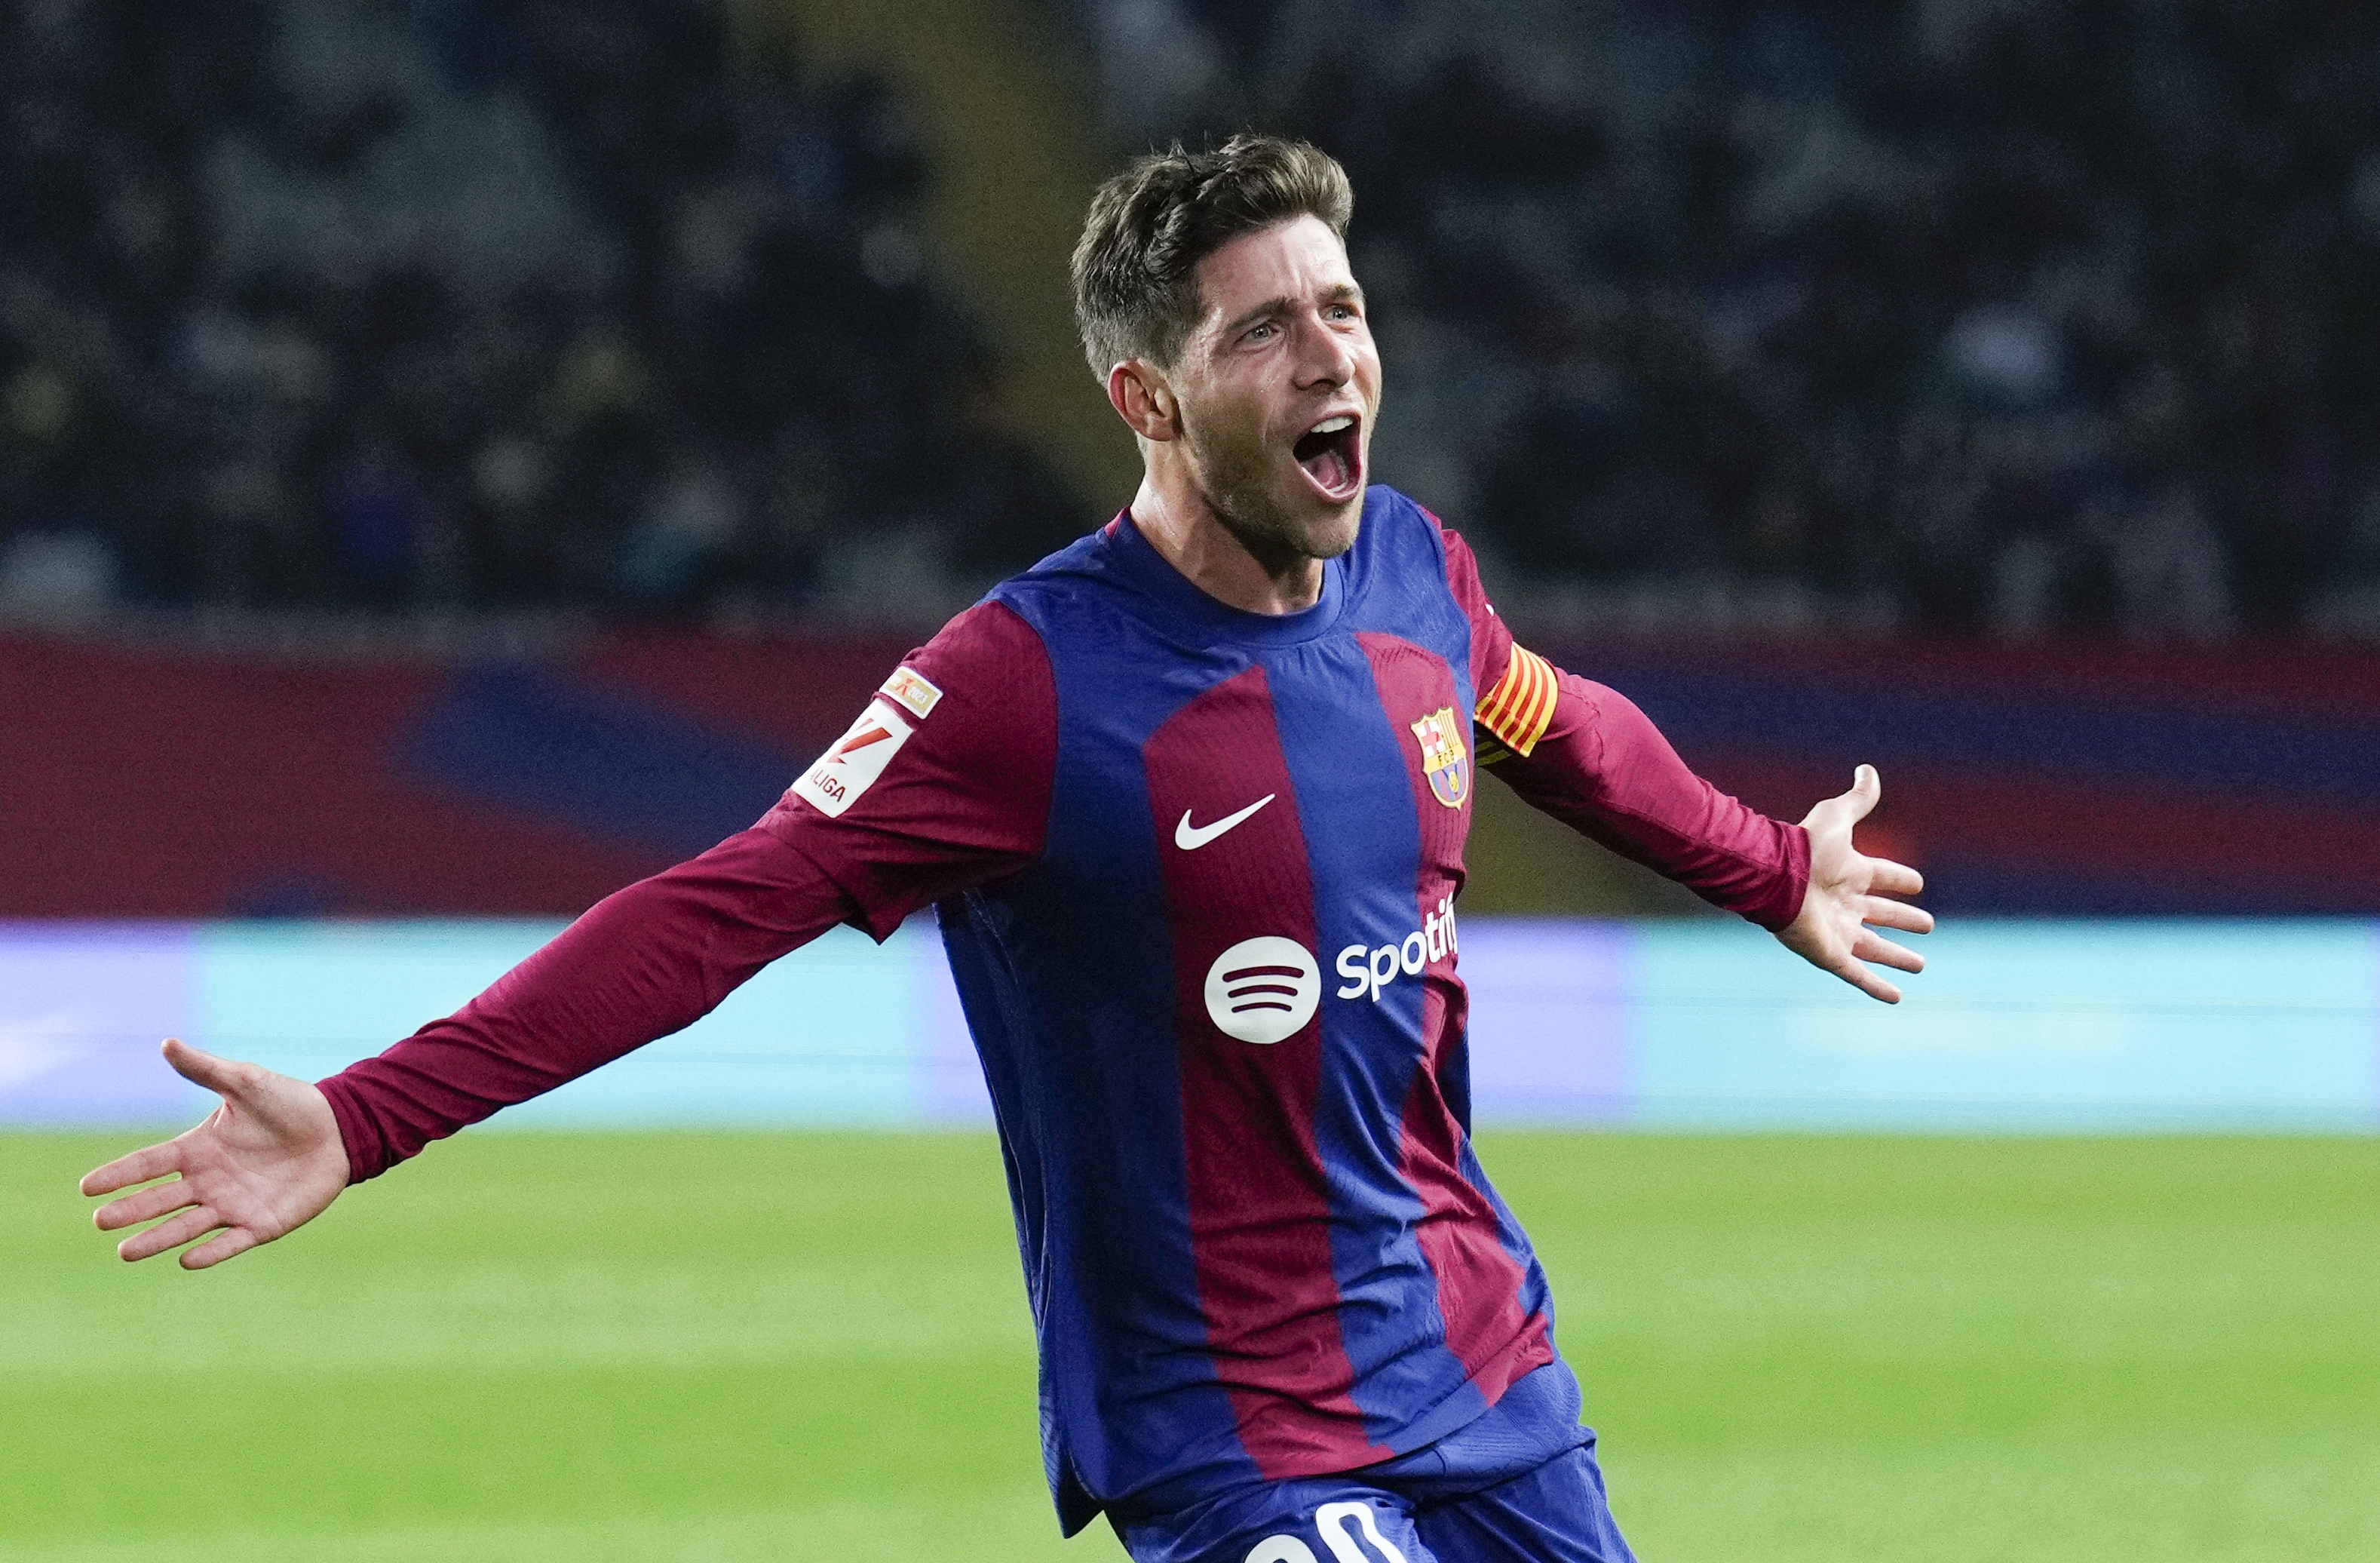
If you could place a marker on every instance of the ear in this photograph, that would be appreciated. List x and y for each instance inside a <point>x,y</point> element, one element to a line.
<point>1143,399</point>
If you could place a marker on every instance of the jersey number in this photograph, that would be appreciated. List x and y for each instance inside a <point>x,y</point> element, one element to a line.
<point>1331,1519</point>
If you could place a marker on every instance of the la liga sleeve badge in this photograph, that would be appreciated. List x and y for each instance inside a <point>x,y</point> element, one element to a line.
<point>1443,758</point>
<point>858,757</point>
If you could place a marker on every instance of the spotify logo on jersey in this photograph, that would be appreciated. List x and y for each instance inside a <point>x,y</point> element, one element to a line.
<point>1263,990</point>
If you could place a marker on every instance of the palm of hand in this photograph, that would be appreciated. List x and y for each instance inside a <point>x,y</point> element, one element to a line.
<point>265,1163</point>
<point>1851,895</point>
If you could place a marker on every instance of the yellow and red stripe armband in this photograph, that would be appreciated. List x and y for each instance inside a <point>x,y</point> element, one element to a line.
<point>1516,713</point>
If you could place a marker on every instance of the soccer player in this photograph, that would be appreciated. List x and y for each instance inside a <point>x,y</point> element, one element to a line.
<point>1189,798</point>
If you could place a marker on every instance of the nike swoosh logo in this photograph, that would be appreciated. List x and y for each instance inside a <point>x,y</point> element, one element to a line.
<point>1190,837</point>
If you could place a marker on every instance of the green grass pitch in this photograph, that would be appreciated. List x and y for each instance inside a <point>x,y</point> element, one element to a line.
<point>721,1347</point>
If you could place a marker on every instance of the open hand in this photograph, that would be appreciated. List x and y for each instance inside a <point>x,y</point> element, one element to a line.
<point>265,1163</point>
<point>1848,892</point>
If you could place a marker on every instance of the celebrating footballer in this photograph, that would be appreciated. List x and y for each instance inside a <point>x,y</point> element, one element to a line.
<point>1189,798</point>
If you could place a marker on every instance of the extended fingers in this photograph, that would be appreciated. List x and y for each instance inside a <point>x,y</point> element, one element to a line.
<point>1884,952</point>
<point>174,1233</point>
<point>146,1205</point>
<point>153,1161</point>
<point>1900,915</point>
<point>1869,983</point>
<point>1889,878</point>
<point>221,1246</point>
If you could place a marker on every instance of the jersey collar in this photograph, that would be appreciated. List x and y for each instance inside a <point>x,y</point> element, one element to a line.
<point>1137,559</point>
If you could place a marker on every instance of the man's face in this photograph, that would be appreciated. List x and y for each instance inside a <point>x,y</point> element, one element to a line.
<point>1278,387</point>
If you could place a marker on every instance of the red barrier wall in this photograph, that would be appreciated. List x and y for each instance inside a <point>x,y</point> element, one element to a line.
<point>176,780</point>
<point>150,782</point>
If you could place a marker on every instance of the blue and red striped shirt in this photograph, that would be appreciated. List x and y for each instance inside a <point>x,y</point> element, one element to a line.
<point>1197,872</point>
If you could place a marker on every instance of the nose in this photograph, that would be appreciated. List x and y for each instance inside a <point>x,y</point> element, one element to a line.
<point>1325,357</point>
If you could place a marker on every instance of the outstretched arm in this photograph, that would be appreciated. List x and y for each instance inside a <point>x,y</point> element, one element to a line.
<point>943,782</point>
<point>1592,760</point>
<point>644,962</point>
<point>1586,755</point>
<point>1606,770</point>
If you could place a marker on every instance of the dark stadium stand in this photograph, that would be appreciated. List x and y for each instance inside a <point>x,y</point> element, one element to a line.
<point>477,304</point>
<point>2018,316</point>
<point>2025,317</point>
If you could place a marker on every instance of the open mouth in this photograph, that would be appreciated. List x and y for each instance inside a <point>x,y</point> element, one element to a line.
<point>1332,454</point>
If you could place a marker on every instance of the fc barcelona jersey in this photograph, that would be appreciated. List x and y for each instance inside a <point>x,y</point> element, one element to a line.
<point>1210,968</point>
<point>1199,872</point>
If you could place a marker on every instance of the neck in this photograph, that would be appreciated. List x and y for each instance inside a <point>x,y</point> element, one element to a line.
<point>1186,533</point>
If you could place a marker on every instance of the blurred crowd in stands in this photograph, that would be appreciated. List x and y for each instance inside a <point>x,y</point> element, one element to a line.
<point>2014,317</point>
<point>2017,317</point>
<point>460,304</point>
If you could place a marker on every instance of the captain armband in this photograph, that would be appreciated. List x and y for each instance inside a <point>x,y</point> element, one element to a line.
<point>1516,713</point>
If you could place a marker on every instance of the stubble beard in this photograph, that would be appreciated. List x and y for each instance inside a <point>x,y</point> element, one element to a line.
<point>1236,477</point>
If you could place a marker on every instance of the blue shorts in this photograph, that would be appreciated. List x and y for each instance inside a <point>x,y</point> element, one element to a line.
<point>1518,1484</point>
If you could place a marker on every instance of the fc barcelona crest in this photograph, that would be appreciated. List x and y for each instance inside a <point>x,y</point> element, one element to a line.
<point>1443,756</point>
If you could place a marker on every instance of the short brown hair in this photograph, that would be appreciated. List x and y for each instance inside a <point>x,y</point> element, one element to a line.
<point>1150,225</point>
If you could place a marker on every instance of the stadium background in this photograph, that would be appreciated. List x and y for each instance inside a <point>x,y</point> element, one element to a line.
<point>458,456</point>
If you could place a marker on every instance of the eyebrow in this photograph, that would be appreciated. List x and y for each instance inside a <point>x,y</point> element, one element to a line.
<point>1337,293</point>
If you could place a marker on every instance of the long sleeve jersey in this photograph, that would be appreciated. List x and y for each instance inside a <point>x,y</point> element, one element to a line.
<point>1197,872</point>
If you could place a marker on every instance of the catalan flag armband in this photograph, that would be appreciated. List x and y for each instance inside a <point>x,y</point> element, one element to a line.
<point>1516,713</point>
